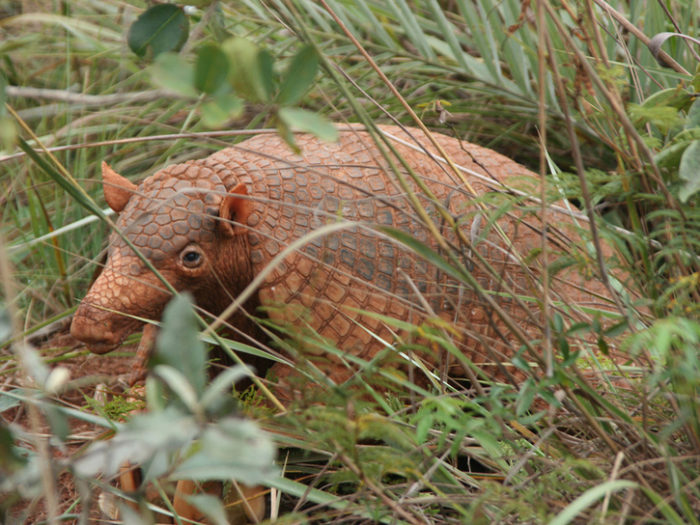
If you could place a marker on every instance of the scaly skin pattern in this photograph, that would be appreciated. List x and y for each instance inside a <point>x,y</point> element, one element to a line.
<point>324,285</point>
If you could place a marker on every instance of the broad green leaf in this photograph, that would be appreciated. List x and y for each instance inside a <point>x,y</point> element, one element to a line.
<point>58,421</point>
<point>250,71</point>
<point>211,69</point>
<point>693,120</point>
<point>670,156</point>
<point>172,72</point>
<point>285,131</point>
<point>424,425</point>
<point>137,442</point>
<point>161,28</point>
<point>179,384</point>
<point>222,382</point>
<point>303,120</point>
<point>7,402</point>
<point>675,97</point>
<point>689,171</point>
<point>25,477</point>
<point>178,343</point>
<point>299,76</point>
<point>233,449</point>
<point>217,112</point>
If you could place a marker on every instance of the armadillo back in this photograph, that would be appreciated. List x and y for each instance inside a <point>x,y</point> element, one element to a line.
<point>324,285</point>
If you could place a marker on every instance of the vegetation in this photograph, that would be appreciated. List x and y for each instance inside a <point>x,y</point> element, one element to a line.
<point>601,97</point>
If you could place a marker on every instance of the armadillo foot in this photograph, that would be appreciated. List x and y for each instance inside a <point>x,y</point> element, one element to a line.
<point>130,379</point>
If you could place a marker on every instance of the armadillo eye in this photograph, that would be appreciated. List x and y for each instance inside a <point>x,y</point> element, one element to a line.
<point>191,257</point>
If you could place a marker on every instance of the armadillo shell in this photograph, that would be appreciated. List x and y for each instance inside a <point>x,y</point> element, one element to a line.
<point>340,285</point>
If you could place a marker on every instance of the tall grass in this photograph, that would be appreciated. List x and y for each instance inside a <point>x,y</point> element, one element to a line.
<point>563,88</point>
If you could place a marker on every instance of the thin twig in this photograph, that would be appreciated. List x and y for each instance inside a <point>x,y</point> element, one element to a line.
<point>542,123</point>
<point>85,99</point>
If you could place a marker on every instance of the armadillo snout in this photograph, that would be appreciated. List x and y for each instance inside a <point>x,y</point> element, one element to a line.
<point>99,335</point>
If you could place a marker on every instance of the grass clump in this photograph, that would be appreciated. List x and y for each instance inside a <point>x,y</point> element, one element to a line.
<point>598,416</point>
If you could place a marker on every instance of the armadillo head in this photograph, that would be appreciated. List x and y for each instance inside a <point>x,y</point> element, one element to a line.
<point>180,220</point>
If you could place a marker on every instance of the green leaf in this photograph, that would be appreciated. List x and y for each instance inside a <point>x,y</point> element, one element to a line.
<point>222,382</point>
<point>689,171</point>
<point>233,449</point>
<point>557,323</point>
<point>693,120</point>
<point>8,132</point>
<point>138,441</point>
<point>285,131</point>
<point>210,506</point>
<point>299,76</point>
<point>172,72</point>
<point>161,28</point>
<point>528,391</point>
<point>7,402</point>
<point>3,93</point>
<point>574,511</point>
<point>250,71</point>
<point>5,324</point>
<point>127,514</point>
<point>423,426</point>
<point>178,343</point>
<point>488,442</point>
<point>211,69</point>
<point>217,112</point>
<point>58,421</point>
<point>303,120</point>
<point>670,156</point>
<point>9,456</point>
<point>179,384</point>
<point>664,117</point>
<point>676,97</point>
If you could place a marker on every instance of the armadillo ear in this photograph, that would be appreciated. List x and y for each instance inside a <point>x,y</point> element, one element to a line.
<point>235,207</point>
<point>117,189</point>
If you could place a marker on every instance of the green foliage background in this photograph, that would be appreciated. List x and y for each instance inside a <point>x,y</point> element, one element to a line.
<point>571,88</point>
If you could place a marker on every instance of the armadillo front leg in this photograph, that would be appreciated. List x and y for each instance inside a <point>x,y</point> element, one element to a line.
<point>143,355</point>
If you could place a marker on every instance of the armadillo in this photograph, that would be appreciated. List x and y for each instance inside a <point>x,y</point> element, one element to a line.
<point>210,226</point>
